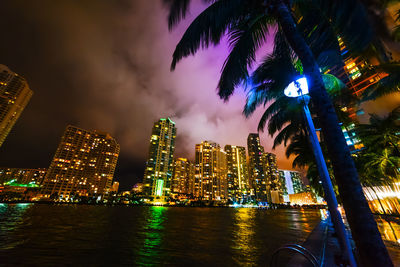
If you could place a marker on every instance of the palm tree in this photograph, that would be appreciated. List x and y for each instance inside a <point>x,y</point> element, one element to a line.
<point>381,132</point>
<point>284,116</point>
<point>246,23</point>
<point>384,164</point>
<point>379,162</point>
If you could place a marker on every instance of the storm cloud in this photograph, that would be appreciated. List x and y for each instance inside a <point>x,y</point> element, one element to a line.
<point>105,65</point>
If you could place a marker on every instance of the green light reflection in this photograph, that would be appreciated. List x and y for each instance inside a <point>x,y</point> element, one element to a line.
<point>11,218</point>
<point>153,236</point>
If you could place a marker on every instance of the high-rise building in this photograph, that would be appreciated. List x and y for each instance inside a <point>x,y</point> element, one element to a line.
<point>115,187</point>
<point>83,164</point>
<point>22,176</point>
<point>159,166</point>
<point>210,172</point>
<point>14,96</point>
<point>272,175</point>
<point>256,167</point>
<point>183,176</point>
<point>237,173</point>
<point>291,182</point>
<point>357,75</point>
<point>138,188</point>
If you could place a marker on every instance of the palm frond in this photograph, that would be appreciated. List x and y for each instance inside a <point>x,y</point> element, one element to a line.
<point>209,27</point>
<point>244,39</point>
<point>271,77</point>
<point>350,20</point>
<point>287,133</point>
<point>177,11</point>
<point>319,34</point>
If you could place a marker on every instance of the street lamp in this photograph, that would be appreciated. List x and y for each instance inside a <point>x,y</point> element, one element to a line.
<point>299,89</point>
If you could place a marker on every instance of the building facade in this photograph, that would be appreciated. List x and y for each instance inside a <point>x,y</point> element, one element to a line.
<point>183,176</point>
<point>237,173</point>
<point>274,185</point>
<point>115,187</point>
<point>256,168</point>
<point>83,164</point>
<point>22,176</point>
<point>291,183</point>
<point>159,166</point>
<point>14,96</point>
<point>210,181</point>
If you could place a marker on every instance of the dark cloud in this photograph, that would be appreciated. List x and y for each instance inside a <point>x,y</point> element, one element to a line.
<point>104,65</point>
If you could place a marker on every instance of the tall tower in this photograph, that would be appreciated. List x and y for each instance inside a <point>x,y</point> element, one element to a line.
<point>159,166</point>
<point>22,176</point>
<point>183,176</point>
<point>291,182</point>
<point>83,164</point>
<point>256,165</point>
<point>237,173</point>
<point>210,172</point>
<point>14,96</point>
<point>274,185</point>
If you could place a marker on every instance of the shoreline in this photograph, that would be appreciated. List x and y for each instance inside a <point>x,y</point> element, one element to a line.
<point>313,207</point>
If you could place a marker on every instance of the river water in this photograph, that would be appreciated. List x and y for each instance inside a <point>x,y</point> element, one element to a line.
<point>54,235</point>
<point>80,235</point>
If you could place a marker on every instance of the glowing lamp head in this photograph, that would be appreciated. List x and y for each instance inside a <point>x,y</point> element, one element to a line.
<point>297,88</point>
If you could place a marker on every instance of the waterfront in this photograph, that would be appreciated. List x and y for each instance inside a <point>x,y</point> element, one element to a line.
<point>84,235</point>
<point>50,235</point>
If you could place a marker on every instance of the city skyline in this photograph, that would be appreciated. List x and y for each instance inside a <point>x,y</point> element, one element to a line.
<point>196,132</point>
<point>120,87</point>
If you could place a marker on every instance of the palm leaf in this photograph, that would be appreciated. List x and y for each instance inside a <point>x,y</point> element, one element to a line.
<point>244,39</point>
<point>208,27</point>
<point>177,11</point>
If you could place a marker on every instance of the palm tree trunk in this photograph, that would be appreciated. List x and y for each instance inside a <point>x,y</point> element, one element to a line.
<point>371,249</point>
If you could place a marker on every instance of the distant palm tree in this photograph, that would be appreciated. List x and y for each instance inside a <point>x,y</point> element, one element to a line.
<point>283,116</point>
<point>379,162</point>
<point>246,23</point>
<point>384,164</point>
<point>381,132</point>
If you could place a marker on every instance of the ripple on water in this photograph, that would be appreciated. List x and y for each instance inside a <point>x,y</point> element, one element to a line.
<point>99,235</point>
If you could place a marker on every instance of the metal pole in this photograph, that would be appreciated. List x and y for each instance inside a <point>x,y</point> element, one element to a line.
<point>327,185</point>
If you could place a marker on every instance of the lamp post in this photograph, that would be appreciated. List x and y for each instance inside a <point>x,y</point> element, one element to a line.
<point>299,89</point>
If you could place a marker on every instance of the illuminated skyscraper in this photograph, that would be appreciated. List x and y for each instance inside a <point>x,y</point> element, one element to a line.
<point>14,96</point>
<point>83,164</point>
<point>237,173</point>
<point>115,187</point>
<point>183,176</point>
<point>159,166</point>
<point>291,182</point>
<point>357,75</point>
<point>22,176</point>
<point>256,167</point>
<point>274,186</point>
<point>210,172</point>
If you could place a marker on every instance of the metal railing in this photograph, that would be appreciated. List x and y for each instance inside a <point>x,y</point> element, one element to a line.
<point>297,249</point>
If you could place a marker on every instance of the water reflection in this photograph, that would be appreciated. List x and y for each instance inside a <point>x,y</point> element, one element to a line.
<point>144,236</point>
<point>390,231</point>
<point>244,247</point>
<point>11,216</point>
<point>153,235</point>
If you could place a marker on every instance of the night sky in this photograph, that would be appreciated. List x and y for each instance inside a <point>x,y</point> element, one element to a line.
<point>101,64</point>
